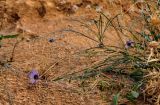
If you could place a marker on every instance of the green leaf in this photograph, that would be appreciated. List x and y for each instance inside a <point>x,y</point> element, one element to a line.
<point>132,96</point>
<point>115,99</point>
<point>135,94</point>
<point>1,36</point>
<point>157,37</point>
<point>146,37</point>
<point>137,85</point>
<point>137,75</point>
<point>152,32</point>
<point>10,36</point>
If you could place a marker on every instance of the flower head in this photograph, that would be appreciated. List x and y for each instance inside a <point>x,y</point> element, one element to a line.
<point>51,40</point>
<point>33,76</point>
<point>129,43</point>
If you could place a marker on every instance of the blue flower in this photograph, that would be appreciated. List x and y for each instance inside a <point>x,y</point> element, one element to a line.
<point>129,43</point>
<point>33,76</point>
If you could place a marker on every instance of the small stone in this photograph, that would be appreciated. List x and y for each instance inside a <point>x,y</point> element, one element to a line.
<point>75,8</point>
<point>88,6</point>
<point>63,2</point>
<point>50,4</point>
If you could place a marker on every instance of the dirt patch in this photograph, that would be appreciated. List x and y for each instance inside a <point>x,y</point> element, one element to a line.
<point>40,47</point>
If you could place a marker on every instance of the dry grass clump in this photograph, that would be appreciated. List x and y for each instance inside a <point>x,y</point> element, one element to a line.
<point>152,87</point>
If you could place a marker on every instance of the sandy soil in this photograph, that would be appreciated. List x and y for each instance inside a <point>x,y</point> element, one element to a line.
<point>36,26</point>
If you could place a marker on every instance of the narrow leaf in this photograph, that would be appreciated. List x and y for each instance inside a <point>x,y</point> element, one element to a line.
<point>135,94</point>
<point>10,36</point>
<point>115,99</point>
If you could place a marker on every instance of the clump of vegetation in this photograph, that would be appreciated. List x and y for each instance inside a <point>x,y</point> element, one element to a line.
<point>137,59</point>
<point>152,89</point>
<point>139,56</point>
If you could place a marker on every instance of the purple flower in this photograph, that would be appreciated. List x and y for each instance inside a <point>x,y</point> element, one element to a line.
<point>51,40</point>
<point>129,43</point>
<point>33,76</point>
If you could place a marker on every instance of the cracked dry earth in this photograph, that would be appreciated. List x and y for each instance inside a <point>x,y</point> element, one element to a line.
<point>34,51</point>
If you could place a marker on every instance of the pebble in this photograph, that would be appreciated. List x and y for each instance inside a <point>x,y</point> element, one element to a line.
<point>88,7</point>
<point>75,8</point>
